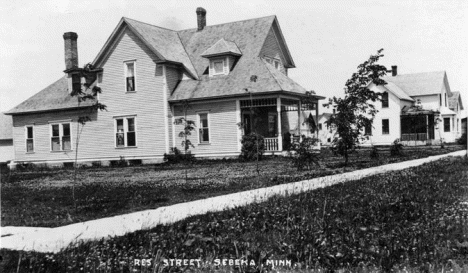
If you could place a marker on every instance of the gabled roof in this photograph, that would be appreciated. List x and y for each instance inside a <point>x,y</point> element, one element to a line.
<point>222,47</point>
<point>397,91</point>
<point>165,43</point>
<point>6,126</point>
<point>421,84</point>
<point>237,83</point>
<point>53,97</point>
<point>454,99</point>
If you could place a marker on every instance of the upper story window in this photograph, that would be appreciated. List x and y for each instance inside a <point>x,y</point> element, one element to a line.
<point>368,130</point>
<point>76,82</point>
<point>130,75</point>
<point>218,67</point>
<point>60,137</point>
<point>125,132</point>
<point>275,62</point>
<point>385,100</point>
<point>29,139</point>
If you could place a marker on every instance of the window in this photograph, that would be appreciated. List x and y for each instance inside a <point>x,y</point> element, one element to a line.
<point>445,99</point>
<point>218,67</point>
<point>368,130</point>
<point>130,76</point>
<point>204,131</point>
<point>125,132</point>
<point>76,83</point>
<point>60,139</point>
<point>385,100</point>
<point>446,124</point>
<point>385,127</point>
<point>320,126</point>
<point>440,99</point>
<point>29,139</point>
<point>277,64</point>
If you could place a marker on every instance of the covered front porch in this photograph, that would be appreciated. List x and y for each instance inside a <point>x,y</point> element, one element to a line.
<point>279,119</point>
<point>418,126</point>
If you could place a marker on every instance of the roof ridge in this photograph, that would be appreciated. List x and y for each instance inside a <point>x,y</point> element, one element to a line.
<point>150,24</point>
<point>427,72</point>
<point>228,23</point>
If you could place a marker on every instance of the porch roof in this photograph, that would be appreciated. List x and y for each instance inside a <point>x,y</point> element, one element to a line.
<point>411,111</point>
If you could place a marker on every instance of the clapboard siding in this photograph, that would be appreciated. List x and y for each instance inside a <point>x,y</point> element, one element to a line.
<point>7,151</point>
<point>98,136</point>
<point>222,123</point>
<point>272,49</point>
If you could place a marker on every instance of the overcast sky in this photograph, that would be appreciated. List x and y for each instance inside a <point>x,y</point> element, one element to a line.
<point>327,39</point>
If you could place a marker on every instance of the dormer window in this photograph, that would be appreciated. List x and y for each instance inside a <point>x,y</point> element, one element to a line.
<point>76,83</point>
<point>218,66</point>
<point>275,62</point>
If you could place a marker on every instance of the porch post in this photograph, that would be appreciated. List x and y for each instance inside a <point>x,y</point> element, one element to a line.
<point>299,106</point>
<point>427,128</point>
<point>280,134</point>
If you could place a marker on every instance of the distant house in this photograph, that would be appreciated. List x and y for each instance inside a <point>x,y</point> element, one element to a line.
<point>231,79</point>
<point>416,108</point>
<point>7,152</point>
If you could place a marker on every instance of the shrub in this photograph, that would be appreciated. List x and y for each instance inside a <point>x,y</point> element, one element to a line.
<point>462,139</point>
<point>396,149</point>
<point>135,162</point>
<point>68,165</point>
<point>303,153</point>
<point>374,153</point>
<point>96,164</point>
<point>253,147</point>
<point>176,156</point>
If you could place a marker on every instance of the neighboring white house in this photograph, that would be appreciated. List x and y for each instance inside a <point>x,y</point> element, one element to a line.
<point>7,152</point>
<point>416,108</point>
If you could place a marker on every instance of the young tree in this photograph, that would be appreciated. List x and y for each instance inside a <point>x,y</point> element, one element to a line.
<point>189,127</point>
<point>354,112</point>
<point>84,92</point>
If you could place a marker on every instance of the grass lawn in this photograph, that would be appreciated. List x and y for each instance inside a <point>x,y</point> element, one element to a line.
<point>414,220</point>
<point>42,197</point>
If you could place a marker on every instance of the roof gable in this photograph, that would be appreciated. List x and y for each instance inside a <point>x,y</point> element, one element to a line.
<point>421,84</point>
<point>454,100</point>
<point>164,43</point>
<point>222,47</point>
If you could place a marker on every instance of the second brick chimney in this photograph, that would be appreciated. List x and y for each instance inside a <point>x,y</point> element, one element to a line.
<point>71,50</point>
<point>201,18</point>
<point>394,70</point>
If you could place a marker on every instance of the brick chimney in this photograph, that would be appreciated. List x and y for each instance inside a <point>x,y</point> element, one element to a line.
<point>201,18</point>
<point>394,70</point>
<point>71,50</point>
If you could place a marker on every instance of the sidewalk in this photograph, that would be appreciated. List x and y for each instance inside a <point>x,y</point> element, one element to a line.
<point>55,239</point>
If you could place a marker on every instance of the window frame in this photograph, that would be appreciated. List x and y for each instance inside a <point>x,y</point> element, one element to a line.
<point>60,135</point>
<point>447,125</point>
<point>385,102</point>
<point>368,130</point>
<point>222,60</point>
<point>126,63</point>
<point>388,126</point>
<point>26,136</point>
<point>125,132</point>
<point>200,128</point>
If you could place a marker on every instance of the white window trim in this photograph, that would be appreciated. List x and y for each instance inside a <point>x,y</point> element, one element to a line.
<point>199,127</point>
<point>26,139</point>
<point>125,63</point>
<point>125,125</point>
<point>60,124</point>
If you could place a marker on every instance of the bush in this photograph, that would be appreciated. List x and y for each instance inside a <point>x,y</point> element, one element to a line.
<point>176,156</point>
<point>374,153</point>
<point>250,151</point>
<point>462,139</point>
<point>396,149</point>
<point>96,164</point>
<point>303,153</point>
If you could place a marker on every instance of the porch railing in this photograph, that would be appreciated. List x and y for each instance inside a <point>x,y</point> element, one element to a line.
<point>414,137</point>
<point>271,143</point>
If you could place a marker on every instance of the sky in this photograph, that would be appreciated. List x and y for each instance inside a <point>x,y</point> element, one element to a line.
<point>327,39</point>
